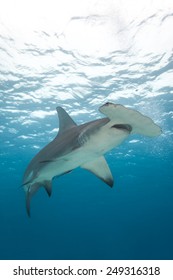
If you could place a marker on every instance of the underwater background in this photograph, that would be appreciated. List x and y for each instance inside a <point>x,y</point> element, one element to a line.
<point>80,55</point>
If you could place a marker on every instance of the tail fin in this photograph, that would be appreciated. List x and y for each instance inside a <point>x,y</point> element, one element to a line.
<point>30,191</point>
<point>28,200</point>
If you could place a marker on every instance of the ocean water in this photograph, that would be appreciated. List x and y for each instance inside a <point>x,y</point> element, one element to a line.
<point>80,55</point>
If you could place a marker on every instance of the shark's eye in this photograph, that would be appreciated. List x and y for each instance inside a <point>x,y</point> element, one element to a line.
<point>107,103</point>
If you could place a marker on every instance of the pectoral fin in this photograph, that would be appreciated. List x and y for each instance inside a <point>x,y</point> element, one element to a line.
<point>100,168</point>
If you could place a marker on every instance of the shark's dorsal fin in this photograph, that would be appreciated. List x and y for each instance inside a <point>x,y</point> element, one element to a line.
<point>101,169</point>
<point>65,121</point>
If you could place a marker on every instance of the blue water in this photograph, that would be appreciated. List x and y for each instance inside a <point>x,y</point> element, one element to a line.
<point>90,56</point>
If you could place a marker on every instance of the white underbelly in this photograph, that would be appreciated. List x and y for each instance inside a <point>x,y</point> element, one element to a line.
<point>94,147</point>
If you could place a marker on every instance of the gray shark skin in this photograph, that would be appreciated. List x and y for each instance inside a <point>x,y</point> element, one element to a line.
<point>84,146</point>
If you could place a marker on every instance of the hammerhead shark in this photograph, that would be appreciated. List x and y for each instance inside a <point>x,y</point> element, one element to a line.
<point>84,146</point>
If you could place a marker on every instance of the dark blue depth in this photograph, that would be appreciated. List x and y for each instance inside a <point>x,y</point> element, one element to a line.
<point>85,219</point>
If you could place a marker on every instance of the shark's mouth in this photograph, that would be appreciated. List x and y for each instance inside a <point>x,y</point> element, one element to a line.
<point>123,127</point>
